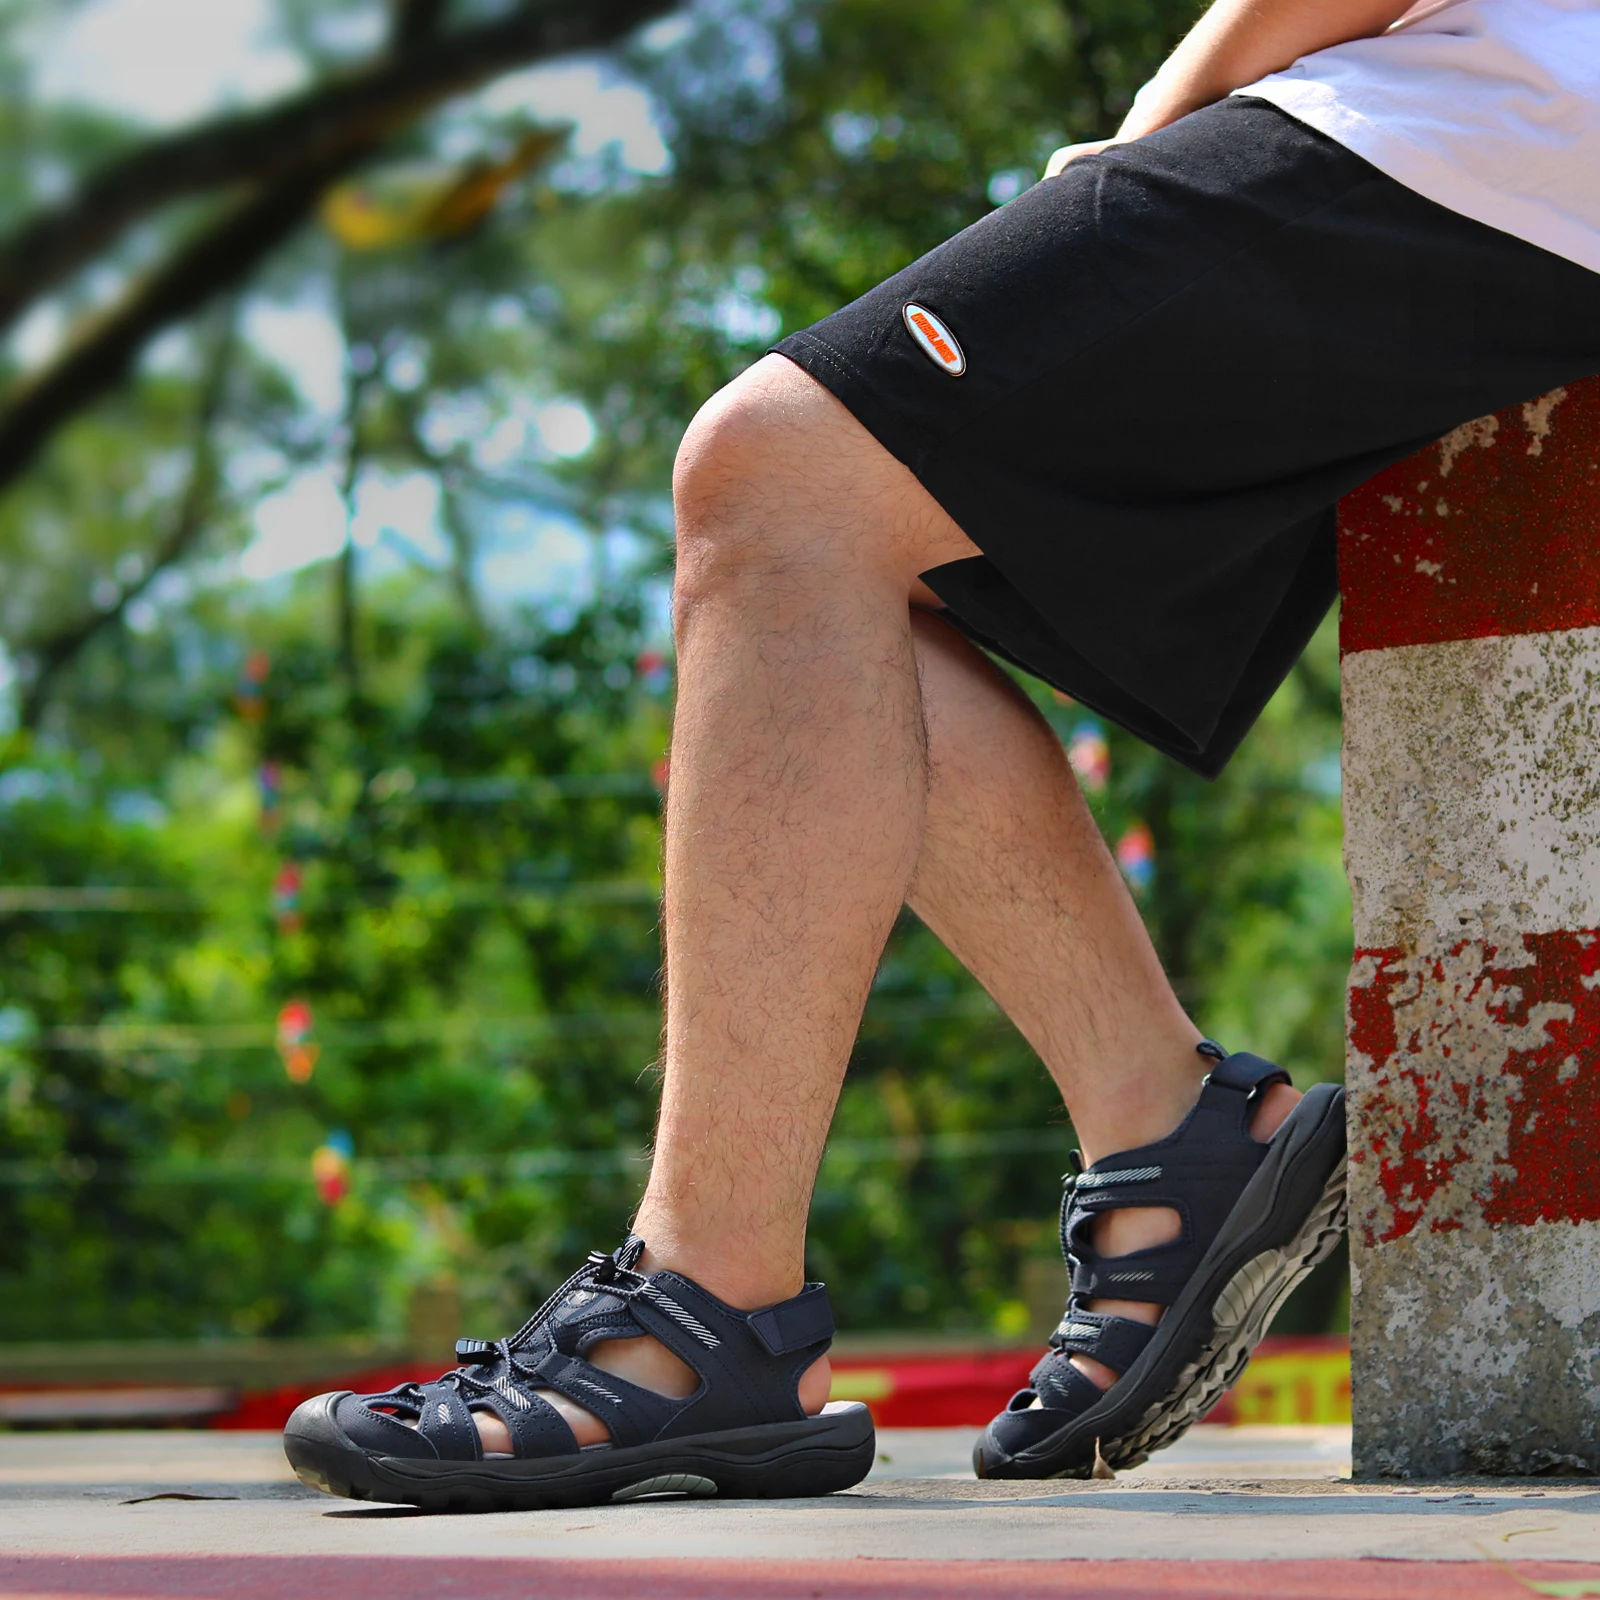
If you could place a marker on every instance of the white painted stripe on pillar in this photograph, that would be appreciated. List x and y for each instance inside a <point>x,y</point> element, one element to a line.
<point>1472,787</point>
<point>1514,1354</point>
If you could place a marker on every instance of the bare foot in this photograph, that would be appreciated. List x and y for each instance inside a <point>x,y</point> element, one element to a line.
<point>1119,1233</point>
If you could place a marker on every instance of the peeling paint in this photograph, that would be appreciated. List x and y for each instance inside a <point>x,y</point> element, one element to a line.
<point>1531,514</point>
<point>1474,1351</point>
<point>1471,681</point>
<point>1464,1106</point>
<point>1536,416</point>
<point>1480,431</point>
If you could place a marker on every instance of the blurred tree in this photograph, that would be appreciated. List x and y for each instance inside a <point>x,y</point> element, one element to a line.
<point>386,789</point>
<point>469,928</point>
<point>272,166</point>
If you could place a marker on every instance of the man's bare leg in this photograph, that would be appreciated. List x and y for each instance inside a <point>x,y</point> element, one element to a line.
<point>801,780</point>
<point>1015,878</point>
<point>794,813</point>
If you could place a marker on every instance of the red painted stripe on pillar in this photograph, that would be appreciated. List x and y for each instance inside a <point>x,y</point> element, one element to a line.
<point>1530,1014</point>
<point>1495,530</point>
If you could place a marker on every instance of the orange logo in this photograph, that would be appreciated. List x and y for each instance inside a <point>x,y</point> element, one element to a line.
<point>938,343</point>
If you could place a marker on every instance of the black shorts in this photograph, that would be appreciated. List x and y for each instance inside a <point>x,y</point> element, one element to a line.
<point>1175,358</point>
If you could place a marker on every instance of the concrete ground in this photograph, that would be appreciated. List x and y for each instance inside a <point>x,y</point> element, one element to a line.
<point>1227,1512</point>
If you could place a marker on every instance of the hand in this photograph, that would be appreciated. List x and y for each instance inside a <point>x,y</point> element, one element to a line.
<point>1071,152</point>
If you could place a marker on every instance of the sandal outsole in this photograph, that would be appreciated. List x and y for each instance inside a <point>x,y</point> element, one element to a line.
<point>1240,1284</point>
<point>782,1460</point>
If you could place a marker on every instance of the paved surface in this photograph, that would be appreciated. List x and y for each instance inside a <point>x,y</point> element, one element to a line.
<point>1227,1512</point>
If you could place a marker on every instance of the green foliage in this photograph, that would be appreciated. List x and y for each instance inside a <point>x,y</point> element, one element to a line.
<point>464,783</point>
<point>475,940</point>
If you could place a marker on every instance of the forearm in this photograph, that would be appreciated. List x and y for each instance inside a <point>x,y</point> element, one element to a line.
<point>1238,41</point>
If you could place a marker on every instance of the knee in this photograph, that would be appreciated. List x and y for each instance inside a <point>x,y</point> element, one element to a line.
<point>742,502</point>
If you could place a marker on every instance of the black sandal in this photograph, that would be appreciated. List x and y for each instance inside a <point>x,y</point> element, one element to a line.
<point>741,1433</point>
<point>1256,1218</point>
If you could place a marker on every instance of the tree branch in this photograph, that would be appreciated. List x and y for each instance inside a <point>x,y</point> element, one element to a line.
<point>53,656</point>
<point>225,252</point>
<point>320,128</point>
<point>221,257</point>
<point>416,20</point>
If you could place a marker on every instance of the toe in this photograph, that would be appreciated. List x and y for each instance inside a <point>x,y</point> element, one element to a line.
<point>493,1434</point>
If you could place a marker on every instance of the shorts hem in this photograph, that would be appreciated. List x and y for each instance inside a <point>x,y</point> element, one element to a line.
<point>905,441</point>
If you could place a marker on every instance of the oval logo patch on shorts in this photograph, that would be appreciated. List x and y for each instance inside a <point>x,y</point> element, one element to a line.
<point>938,343</point>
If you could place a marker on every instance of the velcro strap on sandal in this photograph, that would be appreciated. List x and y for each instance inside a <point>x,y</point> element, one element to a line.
<point>537,1429</point>
<point>1116,1341</point>
<point>805,1320</point>
<point>1061,1387</point>
<point>1246,1073</point>
<point>444,1420</point>
<point>632,1414</point>
<point>1156,1275</point>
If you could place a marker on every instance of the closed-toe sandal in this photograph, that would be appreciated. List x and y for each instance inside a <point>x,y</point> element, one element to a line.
<point>1256,1218</point>
<point>741,1433</point>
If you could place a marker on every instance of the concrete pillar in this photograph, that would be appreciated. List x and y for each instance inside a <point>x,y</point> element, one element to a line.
<point>1471,677</point>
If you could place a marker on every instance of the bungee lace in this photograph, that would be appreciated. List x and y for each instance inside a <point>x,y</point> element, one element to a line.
<point>599,1269</point>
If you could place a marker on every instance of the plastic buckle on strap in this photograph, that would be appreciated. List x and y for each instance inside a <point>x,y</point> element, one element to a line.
<point>476,1352</point>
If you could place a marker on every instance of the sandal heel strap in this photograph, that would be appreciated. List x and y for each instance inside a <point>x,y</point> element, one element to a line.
<point>794,1324</point>
<point>1246,1073</point>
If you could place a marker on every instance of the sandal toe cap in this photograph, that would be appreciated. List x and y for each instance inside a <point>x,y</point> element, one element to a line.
<point>342,1421</point>
<point>1022,1426</point>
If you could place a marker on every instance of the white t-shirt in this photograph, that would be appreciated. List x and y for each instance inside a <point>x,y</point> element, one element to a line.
<point>1490,107</point>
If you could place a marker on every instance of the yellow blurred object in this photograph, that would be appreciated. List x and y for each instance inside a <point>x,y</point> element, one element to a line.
<point>873,1383</point>
<point>412,203</point>
<point>1305,1386</point>
<point>433,1319</point>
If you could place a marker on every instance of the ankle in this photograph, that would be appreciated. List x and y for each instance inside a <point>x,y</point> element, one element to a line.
<point>1143,1108</point>
<point>744,1287</point>
<point>746,1278</point>
<point>1155,1105</point>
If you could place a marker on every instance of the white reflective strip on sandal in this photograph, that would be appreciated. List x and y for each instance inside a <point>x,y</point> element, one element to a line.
<point>683,1318</point>
<point>512,1393</point>
<point>1098,1180</point>
<point>597,1388</point>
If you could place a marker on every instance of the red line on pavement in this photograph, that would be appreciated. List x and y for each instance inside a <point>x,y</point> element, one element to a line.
<point>237,1577</point>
